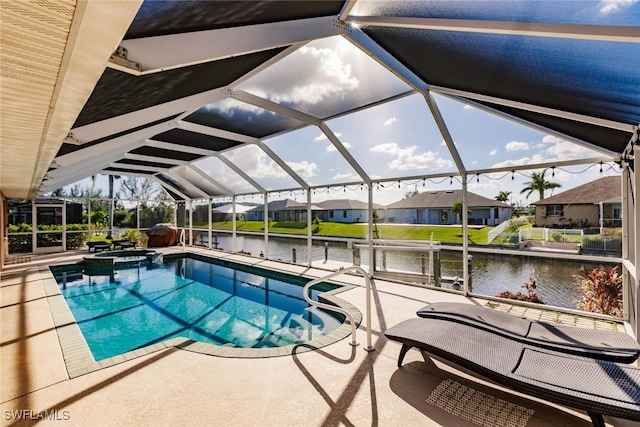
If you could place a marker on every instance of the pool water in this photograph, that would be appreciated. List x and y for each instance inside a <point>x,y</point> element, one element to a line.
<point>225,305</point>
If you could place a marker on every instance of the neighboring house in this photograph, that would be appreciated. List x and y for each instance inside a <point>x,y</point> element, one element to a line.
<point>344,210</point>
<point>282,210</point>
<point>594,204</point>
<point>434,207</point>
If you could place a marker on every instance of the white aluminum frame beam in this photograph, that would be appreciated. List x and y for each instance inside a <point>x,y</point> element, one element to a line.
<point>529,124</point>
<point>145,158</point>
<point>170,189</point>
<point>161,53</point>
<point>628,34</point>
<point>115,125</point>
<point>303,117</point>
<point>187,184</point>
<point>240,172</point>
<point>141,168</point>
<point>384,58</point>
<point>215,132</point>
<point>212,181</point>
<point>444,131</point>
<point>534,108</point>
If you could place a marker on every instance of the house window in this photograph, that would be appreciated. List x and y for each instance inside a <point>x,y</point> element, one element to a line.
<point>330,214</point>
<point>344,214</point>
<point>616,213</point>
<point>555,210</point>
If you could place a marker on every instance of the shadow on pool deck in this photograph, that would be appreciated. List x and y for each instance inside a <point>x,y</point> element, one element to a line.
<point>338,385</point>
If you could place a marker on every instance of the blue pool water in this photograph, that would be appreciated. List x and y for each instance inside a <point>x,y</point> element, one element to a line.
<point>228,305</point>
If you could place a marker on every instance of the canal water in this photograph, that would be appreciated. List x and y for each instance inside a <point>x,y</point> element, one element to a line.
<point>491,274</point>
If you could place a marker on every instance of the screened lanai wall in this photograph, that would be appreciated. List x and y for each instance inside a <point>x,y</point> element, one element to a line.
<point>259,99</point>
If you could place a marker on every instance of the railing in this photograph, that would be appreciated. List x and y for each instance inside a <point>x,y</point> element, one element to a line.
<point>426,257</point>
<point>183,239</point>
<point>341,310</point>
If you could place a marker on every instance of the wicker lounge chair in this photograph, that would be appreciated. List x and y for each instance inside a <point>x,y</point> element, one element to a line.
<point>96,246</point>
<point>123,244</point>
<point>595,386</point>
<point>597,344</point>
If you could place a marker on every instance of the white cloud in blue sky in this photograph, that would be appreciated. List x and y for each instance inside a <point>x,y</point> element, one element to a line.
<point>517,146</point>
<point>615,6</point>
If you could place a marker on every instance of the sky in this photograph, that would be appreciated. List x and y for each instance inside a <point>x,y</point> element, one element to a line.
<point>398,139</point>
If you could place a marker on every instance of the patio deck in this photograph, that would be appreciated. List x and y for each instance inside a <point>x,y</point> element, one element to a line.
<point>337,385</point>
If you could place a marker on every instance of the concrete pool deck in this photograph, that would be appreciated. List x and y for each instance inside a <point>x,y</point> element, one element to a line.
<point>337,385</point>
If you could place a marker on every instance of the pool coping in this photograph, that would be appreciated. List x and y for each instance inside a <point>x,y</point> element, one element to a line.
<point>80,361</point>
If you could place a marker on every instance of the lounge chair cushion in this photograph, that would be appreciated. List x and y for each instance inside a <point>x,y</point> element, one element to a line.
<point>596,386</point>
<point>598,344</point>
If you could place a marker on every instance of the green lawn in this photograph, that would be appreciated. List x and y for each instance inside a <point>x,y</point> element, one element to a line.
<point>444,234</point>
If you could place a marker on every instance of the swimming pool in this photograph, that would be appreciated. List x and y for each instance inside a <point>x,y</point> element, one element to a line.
<point>204,300</point>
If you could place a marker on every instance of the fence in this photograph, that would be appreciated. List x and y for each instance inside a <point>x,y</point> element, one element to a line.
<point>552,234</point>
<point>588,242</point>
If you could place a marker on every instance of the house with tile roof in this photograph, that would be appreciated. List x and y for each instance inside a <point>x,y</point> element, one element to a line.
<point>344,210</point>
<point>286,210</point>
<point>594,204</point>
<point>434,207</point>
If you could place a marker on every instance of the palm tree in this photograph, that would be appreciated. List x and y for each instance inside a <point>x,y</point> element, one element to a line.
<point>540,184</point>
<point>456,210</point>
<point>503,196</point>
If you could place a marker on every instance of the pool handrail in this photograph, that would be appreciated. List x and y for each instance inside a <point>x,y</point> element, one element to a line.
<point>341,310</point>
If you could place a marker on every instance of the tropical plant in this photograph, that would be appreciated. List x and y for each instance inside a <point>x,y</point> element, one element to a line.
<point>503,196</point>
<point>456,210</point>
<point>530,296</point>
<point>410,194</point>
<point>601,290</point>
<point>540,184</point>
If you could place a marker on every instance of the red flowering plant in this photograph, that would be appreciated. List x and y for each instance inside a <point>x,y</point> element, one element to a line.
<point>601,290</point>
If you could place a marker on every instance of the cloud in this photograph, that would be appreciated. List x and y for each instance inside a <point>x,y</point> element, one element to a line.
<point>331,147</point>
<point>252,158</point>
<point>230,107</point>
<point>517,146</point>
<point>390,121</point>
<point>407,159</point>
<point>536,158</point>
<point>389,148</point>
<point>323,137</point>
<point>304,168</point>
<point>559,149</point>
<point>493,152</point>
<point>550,149</point>
<point>309,75</point>
<point>614,6</point>
<point>345,177</point>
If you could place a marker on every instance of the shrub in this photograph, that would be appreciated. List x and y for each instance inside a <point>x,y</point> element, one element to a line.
<point>19,243</point>
<point>530,296</point>
<point>556,236</point>
<point>75,237</point>
<point>316,225</point>
<point>601,291</point>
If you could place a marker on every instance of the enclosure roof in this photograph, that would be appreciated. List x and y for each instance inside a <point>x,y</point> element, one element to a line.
<point>194,87</point>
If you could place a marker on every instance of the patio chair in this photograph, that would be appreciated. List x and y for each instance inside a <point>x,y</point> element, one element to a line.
<point>123,244</point>
<point>587,342</point>
<point>96,246</point>
<point>596,386</point>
